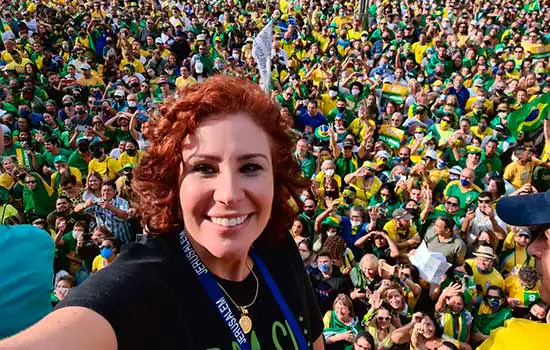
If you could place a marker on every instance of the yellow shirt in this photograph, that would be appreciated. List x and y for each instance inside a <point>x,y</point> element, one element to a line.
<point>494,278</point>
<point>91,81</point>
<point>327,104</point>
<point>480,134</point>
<point>545,152</point>
<point>518,333</point>
<point>126,159</point>
<point>355,35</point>
<point>399,235</point>
<point>181,82</point>
<point>18,67</point>
<point>6,211</point>
<point>419,51</point>
<point>108,168</point>
<point>359,129</point>
<point>518,175</point>
<point>364,192</point>
<point>6,181</point>
<point>514,289</point>
<point>138,66</point>
<point>74,171</point>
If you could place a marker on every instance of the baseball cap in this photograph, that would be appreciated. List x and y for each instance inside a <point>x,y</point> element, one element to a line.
<point>401,214</point>
<point>128,166</point>
<point>431,154</point>
<point>347,143</point>
<point>478,82</point>
<point>119,93</point>
<point>525,210</point>
<point>456,170</point>
<point>60,159</point>
<point>85,66</point>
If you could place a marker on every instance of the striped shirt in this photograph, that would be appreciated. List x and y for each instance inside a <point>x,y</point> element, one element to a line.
<point>105,217</point>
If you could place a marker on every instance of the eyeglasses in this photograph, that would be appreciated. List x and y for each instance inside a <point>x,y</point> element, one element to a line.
<point>382,318</point>
<point>452,204</point>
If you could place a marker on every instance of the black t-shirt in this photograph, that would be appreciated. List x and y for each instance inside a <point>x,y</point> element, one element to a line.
<point>326,290</point>
<point>153,300</point>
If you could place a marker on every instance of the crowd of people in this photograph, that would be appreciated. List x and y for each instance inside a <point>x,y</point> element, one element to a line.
<point>411,119</point>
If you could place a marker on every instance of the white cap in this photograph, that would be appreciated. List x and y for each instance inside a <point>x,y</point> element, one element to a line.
<point>85,66</point>
<point>431,154</point>
<point>119,93</point>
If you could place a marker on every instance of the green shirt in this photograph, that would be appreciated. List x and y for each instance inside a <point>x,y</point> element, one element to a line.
<point>308,165</point>
<point>493,163</point>
<point>466,196</point>
<point>49,156</point>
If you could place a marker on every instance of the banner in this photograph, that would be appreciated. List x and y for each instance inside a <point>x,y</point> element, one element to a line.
<point>394,92</point>
<point>532,6</point>
<point>261,51</point>
<point>391,136</point>
<point>537,51</point>
<point>530,116</point>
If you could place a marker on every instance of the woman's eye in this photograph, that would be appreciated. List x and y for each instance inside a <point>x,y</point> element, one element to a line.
<point>204,169</point>
<point>250,168</point>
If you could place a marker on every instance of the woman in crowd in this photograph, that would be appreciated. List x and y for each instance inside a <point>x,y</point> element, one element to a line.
<point>94,182</point>
<point>341,324</point>
<point>491,314</point>
<point>232,193</point>
<point>108,252</point>
<point>381,328</point>
<point>38,196</point>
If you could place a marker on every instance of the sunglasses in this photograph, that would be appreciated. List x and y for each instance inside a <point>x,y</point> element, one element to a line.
<point>30,182</point>
<point>381,318</point>
<point>491,297</point>
<point>487,201</point>
<point>453,204</point>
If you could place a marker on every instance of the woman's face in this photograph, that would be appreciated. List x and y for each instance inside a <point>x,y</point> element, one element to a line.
<point>428,328</point>
<point>395,299</point>
<point>383,318</point>
<point>297,228</point>
<point>484,237</point>
<point>8,165</point>
<point>227,184</point>
<point>341,310</point>
<point>94,183</point>
<point>455,303</point>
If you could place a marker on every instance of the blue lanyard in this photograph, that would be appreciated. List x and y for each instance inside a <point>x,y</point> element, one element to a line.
<point>226,311</point>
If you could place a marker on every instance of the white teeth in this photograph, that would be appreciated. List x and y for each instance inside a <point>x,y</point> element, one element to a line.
<point>229,222</point>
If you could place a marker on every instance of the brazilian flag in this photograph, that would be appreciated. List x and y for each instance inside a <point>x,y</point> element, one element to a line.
<point>530,116</point>
<point>532,6</point>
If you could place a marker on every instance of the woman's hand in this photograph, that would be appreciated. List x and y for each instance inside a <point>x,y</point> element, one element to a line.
<point>375,300</point>
<point>346,336</point>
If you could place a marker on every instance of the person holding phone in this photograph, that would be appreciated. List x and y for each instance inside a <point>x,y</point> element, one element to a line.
<point>215,206</point>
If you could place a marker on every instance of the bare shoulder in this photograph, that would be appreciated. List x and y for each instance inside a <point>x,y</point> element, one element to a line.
<point>72,327</point>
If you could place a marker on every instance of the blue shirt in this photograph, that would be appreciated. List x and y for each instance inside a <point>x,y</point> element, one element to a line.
<point>26,277</point>
<point>351,235</point>
<point>315,121</point>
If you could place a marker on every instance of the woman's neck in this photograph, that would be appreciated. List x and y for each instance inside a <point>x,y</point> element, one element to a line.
<point>234,268</point>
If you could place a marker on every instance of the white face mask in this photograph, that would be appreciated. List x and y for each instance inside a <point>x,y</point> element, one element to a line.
<point>305,255</point>
<point>364,39</point>
<point>132,103</point>
<point>331,233</point>
<point>418,135</point>
<point>355,92</point>
<point>329,172</point>
<point>355,223</point>
<point>332,93</point>
<point>502,114</point>
<point>431,147</point>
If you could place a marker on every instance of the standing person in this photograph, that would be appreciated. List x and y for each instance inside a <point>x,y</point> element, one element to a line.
<point>531,211</point>
<point>232,193</point>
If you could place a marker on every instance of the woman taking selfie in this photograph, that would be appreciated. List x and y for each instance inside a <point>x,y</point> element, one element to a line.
<point>219,269</point>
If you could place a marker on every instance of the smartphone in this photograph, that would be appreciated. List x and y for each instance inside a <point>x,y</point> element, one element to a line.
<point>82,128</point>
<point>473,207</point>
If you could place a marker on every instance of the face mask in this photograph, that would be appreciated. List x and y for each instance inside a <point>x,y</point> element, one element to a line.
<point>305,255</point>
<point>63,290</point>
<point>131,152</point>
<point>324,268</point>
<point>482,127</point>
<point>418,135</point>
<point>218,66</point>
<point>331,233</point>
<point>332,93</point>
<point>495,303</point>
<point>420,79</point>
<point>341,109</point>
<point>303,197</point>
<point>24,113</point>
<point>106,252</point>
<point>535,318</point>
<point>355,223</point>
<point>81,112</point>
<point>132,104</point>
<point>444,124</point>
<point>348,200</point>
<point>309,212</point>
<point>67,104</point>
<point>329,172</point>
<point>440,164</point>
<point>97,154</point>
<point>465,182</point>
<point>431,147</point>
<point>355,92</point>
<point>502,114</point>
<point>412,211</point>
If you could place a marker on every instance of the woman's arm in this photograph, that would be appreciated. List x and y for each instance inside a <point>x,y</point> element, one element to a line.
<point>71,327</point>
<point>319,343</point>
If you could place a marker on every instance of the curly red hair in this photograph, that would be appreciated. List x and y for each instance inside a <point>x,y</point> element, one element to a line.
<point>156,183</point>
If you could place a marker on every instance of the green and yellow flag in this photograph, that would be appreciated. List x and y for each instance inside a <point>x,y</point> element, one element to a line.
<point>532,6</point>
<point>394,92</point>
<point>391,136</point>
<point>530,116</point>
